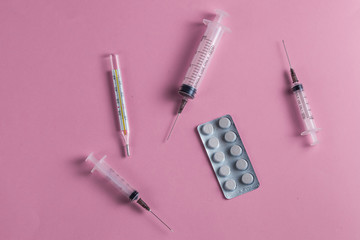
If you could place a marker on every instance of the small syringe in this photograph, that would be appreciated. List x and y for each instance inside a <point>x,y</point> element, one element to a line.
<point>120,184</point>
<point>304,107</point>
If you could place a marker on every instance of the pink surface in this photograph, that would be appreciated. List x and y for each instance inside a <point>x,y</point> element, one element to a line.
<point>56,108</point>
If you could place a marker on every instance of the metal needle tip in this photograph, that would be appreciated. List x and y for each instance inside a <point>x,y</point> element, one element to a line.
<point>286,53</point>
<point>161,221</point>
<point>172,126</point>
<point>128,150</point>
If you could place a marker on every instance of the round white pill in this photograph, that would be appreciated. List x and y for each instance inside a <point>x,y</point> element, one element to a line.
<point>230,185</point>
<point>224,171</point>
<point>219,157</point>
<point>213,142</point>
<point>241,164</point>
<point>207,129</point>
<point>247,178</point>
<point>224,122</point>
<point>236,150</point>
<point>230,136</point>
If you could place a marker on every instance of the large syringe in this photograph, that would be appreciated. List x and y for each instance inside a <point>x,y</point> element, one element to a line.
<point>201,60</point>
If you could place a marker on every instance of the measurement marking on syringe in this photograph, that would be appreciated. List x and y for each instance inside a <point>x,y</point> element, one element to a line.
<point>202,52</point>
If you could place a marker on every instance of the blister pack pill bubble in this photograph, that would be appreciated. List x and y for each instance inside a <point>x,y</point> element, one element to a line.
<point>224,171</point>
<point>224,122</point>
<point>213,142</point>
<point>236,150</point>
<point>219,157</point>
<point>247,178</point>
<point>241,164</point>
<point>207,129</point>
<point>230,136</point>
<point>230,185</point>
<point>228,157</point>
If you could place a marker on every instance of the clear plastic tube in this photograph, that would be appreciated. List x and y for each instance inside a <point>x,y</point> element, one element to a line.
<point>305,112</point>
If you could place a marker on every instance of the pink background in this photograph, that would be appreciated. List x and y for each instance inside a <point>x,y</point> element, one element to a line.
<point>56,108</point>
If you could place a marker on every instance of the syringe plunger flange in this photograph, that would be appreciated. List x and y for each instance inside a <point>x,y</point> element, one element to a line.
<point>219,15</point>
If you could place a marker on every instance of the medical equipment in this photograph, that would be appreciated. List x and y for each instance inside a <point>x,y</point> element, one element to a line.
<point>105,169</point>
<point>201,60</point>
<point>304,107</point>
<point>120,100</point>
<point>228,157</point>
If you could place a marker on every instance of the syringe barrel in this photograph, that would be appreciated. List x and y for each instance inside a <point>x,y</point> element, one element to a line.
<point>305,111</point>
<point>104,169</point>
<point>203,55</point>
<point>301,101</point>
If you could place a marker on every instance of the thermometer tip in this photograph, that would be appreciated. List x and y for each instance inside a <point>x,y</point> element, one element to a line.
<point>128,150</point>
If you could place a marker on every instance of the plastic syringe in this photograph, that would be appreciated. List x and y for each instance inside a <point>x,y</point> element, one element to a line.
<point>120,184</point>
<point>120,101</point>
<point>201,60</point>
<point>303,104</point>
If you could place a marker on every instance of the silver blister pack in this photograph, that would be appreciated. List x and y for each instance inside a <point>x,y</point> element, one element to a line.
<point>228,157</point>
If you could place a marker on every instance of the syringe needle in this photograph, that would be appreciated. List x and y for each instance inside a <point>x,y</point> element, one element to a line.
<point>173,126</point>
<point>181,108</point>
<point>286,53</point>
<point>161,220</point>
<point>144,205</point>
<point>292,71</point>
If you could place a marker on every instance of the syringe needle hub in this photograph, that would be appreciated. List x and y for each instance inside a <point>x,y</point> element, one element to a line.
<point>182,105</point>
<point>293,76</point>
